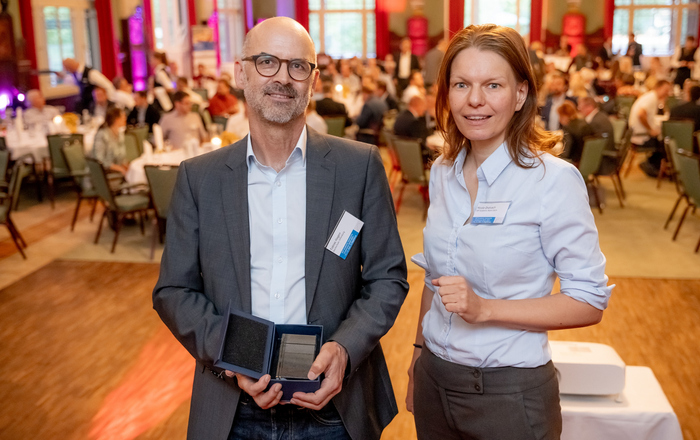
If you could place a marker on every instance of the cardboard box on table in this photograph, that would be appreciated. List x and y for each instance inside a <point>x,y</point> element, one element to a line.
<point>250,346</point>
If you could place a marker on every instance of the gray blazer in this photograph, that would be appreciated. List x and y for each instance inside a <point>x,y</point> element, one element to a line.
<point>206,265</point>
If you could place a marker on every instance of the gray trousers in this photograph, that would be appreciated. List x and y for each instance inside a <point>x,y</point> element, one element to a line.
<point>452,401</point>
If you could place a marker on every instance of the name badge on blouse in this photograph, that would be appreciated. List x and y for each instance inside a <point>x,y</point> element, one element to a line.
<point>490,213</point>
<point>344,234</point>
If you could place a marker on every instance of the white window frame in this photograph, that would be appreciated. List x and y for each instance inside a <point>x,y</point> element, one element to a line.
<point>471,14</point>
<point>80,43</point>
<point>676,7</point>
<point>321,24</point>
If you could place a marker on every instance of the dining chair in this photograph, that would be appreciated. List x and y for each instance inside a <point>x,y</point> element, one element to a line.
<point>57,169</point>
<point>624,105</point>
<point>221,120</point>
<point>74,156</point>
<point>4,162</point>
<point>20,170</point>
<point>689,175</point>
<point>619,156</point>
<point>161,180</point>
<point>394,166</point>
<point>202,92</point>
<point>131,145</point>
<point>682,132</point>
<point>591,156</point>
<point>336,125</point>
<point>619,126</point>
<point>117,205</point>
<point>206,118</point>
<point>410,157</point>
<point>141,133</point>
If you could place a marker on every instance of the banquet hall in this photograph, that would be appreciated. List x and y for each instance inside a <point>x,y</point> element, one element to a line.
<point>102,101</point>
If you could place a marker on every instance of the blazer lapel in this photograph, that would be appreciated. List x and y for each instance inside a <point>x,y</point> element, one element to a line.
<point>320,185</point>
<point>234,191</point>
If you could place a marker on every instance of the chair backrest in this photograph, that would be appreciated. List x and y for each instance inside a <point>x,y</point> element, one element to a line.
<point>618,126</point>
<point>206,117</point>
<point>672,101</point>
<point>410,155</point>
<point>591,156</point>
<point>221,120</point>
<point>681,131</point>
<point>195,108</point>
<point>203,93</point>
<point>336,125</point>
<point>74,156</point>
<point>56,143</point>
<point>100,182</point>
<point>161,180</point>
<point>4,161</point>
<point>20,170</point>
<point>623,148</point>
<point>131,146</point>
<point>689,174</point>
<point>141,134</point>
<point>624,105</point>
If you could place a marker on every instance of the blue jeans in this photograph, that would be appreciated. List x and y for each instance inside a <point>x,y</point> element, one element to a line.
<point>286,422</point>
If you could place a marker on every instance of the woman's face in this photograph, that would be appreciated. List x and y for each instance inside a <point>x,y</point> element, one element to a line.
<point>484,96</point>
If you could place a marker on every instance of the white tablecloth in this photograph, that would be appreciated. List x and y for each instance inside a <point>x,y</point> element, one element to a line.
<point>640,412</point>
<point>137,174</point>
<point>36,143</point>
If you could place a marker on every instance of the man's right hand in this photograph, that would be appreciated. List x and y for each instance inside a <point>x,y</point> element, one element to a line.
<point>256,389</point>
<point>409,391</point>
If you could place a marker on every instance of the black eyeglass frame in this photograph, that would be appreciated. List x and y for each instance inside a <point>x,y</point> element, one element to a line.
<point>254,59</point>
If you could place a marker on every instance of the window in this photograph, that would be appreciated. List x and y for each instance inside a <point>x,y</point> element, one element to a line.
<point>512,13</point>
<point>343,28</point>
<point>171,32</point>
<point>63,29</point>
<point>659,25</point>
<point>231,30</point>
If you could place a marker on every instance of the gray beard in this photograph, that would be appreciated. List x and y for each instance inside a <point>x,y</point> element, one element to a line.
<point>277,113</point>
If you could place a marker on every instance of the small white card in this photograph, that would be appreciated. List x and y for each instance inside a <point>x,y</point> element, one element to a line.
<point>490,213</point>
<point>344,234</point>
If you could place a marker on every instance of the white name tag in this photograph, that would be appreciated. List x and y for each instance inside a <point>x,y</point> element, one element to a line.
<point>492,213</point>
<point>344,234</point>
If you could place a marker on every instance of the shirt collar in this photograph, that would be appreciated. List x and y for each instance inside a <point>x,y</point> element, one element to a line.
<point>491,168</point>
<point>299,151</point>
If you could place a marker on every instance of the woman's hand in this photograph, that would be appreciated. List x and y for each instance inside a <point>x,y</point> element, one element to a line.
<point>409,391</point>
<point>459,297</point>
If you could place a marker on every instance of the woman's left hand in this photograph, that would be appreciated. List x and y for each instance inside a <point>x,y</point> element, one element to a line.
<point>459,297</point>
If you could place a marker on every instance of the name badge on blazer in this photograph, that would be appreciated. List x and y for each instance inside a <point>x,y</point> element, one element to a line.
<point>344,234</point>
<point>490,213</point>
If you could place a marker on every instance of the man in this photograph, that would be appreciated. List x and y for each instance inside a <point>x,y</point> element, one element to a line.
<point>644,127</point>
<point>389,74</point>
<point>416,87</point>
<point>223,102</point>
<point>634,50</point>
<point>411,122</point>
<point>123,94</point>
<point>183,85</point>
<point>248,226</point>
<point>182,124</point>
<point>433,60</point>
<point>371,117</point>
<point>555,98</point>
<point>605,53</point>
<point>87,79</point>
<point>406,64</point>
<point>143,112</point>
<point>385,96</point>
<point>690,109</point>
<point>351,83</point>
<point>328,107</point>
<point>39,113</point>
<point>202,77</point>
<point>100,103</point>
<point>599,121</point>
<point>684,60</point>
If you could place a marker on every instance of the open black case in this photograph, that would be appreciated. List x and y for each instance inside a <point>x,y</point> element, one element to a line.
<point>252,346</point>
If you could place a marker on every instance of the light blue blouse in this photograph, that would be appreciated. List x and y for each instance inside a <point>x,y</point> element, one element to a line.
<point>548,231</point>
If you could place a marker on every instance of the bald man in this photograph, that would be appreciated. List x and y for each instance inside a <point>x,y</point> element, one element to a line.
<point>248,228</point>
<point>39,113</point>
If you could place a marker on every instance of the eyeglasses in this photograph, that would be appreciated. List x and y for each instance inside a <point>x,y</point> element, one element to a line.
<point>268,65</point>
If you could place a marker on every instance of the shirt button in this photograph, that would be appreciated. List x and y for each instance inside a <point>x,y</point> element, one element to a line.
<point>279,260</point>
<point>278,183</point>
<point>279,220</point>
<point>277,296</point>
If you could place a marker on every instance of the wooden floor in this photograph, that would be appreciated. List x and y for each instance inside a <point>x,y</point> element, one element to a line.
<point>83,354</point>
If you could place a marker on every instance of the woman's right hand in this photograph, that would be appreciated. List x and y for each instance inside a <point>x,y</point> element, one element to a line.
<point>409,391</point>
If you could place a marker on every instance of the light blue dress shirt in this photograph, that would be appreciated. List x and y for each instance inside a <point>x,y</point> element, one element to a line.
<point>277,218</point>
<point>548,231</point>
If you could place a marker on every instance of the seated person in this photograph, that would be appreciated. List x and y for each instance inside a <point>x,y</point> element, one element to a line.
<point>689,110</point>
<point>371,117</point>
<point>223,103</point>
<point>123,94</point>
<point>416,87</point>
<point>313,119</point>
<point>384,95</point>
<point>602,127</point>
<point>100,104</point>
<point>181,123</point>
<point>411,121</point>
<point>109,146</point>
<point>39,113</point>
<point>575,130</point>
<point>183,85</point>
<point>143,112</point>
<point>328,107</point>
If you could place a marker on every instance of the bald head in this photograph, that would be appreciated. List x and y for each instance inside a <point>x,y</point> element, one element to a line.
<point>279,32</point>
<point>36,99</point>
<point>71,65</point>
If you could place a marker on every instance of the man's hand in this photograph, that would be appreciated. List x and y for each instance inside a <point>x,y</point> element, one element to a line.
<point>459,297</point>
<point>409,391</point>
<point>256,390</point>
<point>331,360</point>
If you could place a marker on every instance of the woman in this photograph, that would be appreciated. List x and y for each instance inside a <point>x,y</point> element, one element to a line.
<point>109,145</point>
<point>505,219</point>
<point>576,130</point>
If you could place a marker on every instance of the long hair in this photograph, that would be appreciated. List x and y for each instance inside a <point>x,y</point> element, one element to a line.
<point>524,138</point>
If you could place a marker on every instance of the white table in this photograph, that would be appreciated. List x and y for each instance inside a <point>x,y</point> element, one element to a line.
<point>640,412</point>
<point>137,174</point>
<point>36,143</point>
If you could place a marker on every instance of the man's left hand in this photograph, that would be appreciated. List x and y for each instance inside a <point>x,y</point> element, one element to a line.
<point>331,360</point>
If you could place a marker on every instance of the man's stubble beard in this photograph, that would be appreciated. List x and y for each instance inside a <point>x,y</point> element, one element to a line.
<point>277,113</point>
